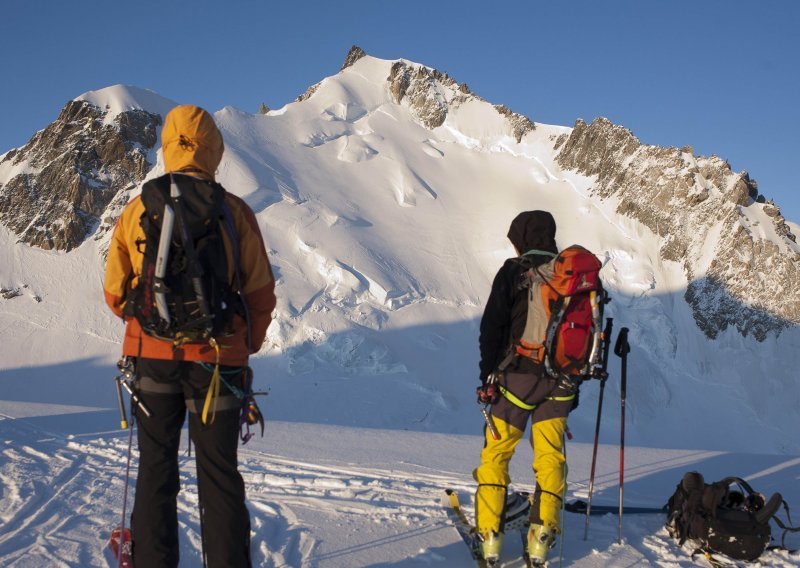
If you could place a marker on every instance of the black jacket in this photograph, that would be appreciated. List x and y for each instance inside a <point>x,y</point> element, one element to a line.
<point>507,307</point>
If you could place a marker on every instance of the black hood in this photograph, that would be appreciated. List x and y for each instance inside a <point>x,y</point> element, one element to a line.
<point>533,230</point>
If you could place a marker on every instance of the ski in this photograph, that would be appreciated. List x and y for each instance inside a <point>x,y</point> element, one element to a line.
<point>469,533</point>
<point>122,550</point>
<point>580,507</point>
<point>465,529</point>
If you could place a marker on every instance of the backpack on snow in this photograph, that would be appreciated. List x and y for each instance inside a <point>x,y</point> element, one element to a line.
<point>563,328</point>
<point>184,293</point>
<point>726,517</point>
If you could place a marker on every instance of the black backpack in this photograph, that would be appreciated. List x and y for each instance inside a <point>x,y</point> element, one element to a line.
<point>726,517</point>
<point>184,293</point>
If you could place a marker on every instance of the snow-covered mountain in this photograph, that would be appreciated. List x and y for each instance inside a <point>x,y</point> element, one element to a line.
<point>384,194</point>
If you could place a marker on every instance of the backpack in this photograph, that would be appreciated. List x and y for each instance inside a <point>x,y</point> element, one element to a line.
<point>563,328</point>
<point>726,517</point>
<point>184,294</point>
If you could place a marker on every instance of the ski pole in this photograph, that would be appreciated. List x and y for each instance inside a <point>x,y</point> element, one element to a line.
<point>621,350</point>
<point>125,491</point>
<point>601,374</point>
<point>565,469</point>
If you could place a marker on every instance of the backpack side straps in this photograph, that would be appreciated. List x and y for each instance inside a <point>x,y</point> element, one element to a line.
<point>194,270</point>
<point>783,526</point>
<point>162,257</point>
<point>233,237</point>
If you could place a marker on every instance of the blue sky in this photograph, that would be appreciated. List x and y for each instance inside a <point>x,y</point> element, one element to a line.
<point>720,75</point>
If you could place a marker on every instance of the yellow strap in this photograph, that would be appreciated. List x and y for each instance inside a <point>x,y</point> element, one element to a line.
<point>213,387</point>
<point>513,399</point>
<point>516,401</point>
<point>561,398</point>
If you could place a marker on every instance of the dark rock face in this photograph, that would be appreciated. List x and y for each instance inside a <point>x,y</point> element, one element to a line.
<point>72,170</point>
<point>425,90</point>
<point>520,124</point>
<point>748,282</point>
<point>353,55</point>
<point>418,85</point>
<point>310,91</point>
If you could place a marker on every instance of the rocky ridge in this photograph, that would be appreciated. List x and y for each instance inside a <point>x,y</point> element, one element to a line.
<point>353,55</point>
<point>61,182</point>
<point>749,281</point>
<point>54,191</point>
<point>431,94</point>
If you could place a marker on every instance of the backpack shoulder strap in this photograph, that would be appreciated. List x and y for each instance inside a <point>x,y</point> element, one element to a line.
<point>233,237</point>
<point>539,252</point>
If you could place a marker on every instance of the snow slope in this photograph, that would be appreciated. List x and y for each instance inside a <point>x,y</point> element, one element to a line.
<point>384,236</point>
<point>333,496</point>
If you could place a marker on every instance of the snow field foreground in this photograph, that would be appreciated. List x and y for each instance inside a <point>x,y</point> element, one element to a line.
<point>332,496</point>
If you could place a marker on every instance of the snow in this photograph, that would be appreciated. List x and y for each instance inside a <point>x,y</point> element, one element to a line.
<point>384,237</point>
<point>121,98</point>
<point>757,223</point>
<point>335,496</point>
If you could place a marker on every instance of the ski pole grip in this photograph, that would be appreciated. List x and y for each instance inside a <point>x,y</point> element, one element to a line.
<point>622,346</point>
<point>607,338</point>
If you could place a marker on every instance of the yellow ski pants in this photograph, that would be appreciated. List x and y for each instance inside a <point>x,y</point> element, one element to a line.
<point>549,467</point>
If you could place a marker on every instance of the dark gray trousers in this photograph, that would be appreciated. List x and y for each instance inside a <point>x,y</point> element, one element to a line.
<point>168,387</point>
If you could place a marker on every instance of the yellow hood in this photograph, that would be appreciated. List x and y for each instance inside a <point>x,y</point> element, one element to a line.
<point>191,141</point>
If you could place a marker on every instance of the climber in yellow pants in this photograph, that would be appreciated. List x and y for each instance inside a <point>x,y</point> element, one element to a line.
<point>523,391</point>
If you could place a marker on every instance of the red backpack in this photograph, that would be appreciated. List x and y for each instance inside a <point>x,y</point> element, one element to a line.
<point>563,329</point>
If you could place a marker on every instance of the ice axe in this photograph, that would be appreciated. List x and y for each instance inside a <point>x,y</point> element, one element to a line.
<point>491,379</point>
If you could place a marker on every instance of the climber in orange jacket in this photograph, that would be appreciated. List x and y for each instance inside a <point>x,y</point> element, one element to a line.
<point>175,375</point>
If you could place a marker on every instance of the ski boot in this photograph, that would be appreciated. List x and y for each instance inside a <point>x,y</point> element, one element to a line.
<point>540,540</point>
<point>491,543</point>
<point>516,512</point>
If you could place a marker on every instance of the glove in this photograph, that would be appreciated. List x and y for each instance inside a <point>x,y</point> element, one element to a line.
<point>487,393</point>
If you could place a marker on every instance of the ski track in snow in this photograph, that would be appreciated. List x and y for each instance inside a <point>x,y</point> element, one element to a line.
<point>61,496</point>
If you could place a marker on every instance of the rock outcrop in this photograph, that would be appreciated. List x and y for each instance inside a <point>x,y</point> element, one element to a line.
<point>431,94</point>
<point>64,178</point>
<point>353,55</point>
<point>749,280</point>
<point>422,88</point>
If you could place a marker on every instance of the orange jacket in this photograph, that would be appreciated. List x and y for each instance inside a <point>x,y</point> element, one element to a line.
<point>193,144</point>
<point>124,265</point>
